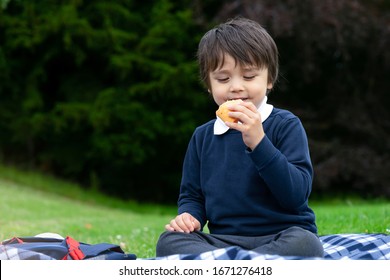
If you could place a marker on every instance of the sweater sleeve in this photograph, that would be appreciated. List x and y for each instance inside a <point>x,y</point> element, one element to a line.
<point>191,199</point>
<point>284,164</point>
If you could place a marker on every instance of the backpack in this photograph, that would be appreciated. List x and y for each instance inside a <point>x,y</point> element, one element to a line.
<point>48,248</point>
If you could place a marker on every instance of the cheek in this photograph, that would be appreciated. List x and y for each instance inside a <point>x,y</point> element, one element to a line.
<point>218,99</point>
<point>218,96</point>
<point>215,89</point>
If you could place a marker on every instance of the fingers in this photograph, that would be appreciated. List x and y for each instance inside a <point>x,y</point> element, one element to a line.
<point>183,223</point>
<point>248,116</point>
<point>245,112</point>
<point>196,224</point>
<point>250,124</point>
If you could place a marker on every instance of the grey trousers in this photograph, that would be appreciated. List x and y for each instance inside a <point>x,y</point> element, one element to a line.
<point>293,241</point>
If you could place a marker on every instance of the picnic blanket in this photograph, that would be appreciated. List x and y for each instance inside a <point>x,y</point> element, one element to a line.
<point>336,247</point>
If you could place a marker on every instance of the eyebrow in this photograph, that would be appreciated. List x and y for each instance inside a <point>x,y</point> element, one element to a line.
<point>244,69</point>
<point>220,71</point>
<point>250,68</point>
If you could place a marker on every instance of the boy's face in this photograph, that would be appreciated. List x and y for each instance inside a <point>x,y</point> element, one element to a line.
<point>234,81</point>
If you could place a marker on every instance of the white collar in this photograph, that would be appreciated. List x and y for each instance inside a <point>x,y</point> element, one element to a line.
<point>264,109</point>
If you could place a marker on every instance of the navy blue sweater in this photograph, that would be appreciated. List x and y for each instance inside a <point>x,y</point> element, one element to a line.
<point>249,193</point>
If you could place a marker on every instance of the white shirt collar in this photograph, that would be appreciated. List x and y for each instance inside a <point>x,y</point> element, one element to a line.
<point>264,109</point>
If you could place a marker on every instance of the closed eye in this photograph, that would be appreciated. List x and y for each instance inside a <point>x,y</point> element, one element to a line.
<point>249,77</point>
<point>223,80</point>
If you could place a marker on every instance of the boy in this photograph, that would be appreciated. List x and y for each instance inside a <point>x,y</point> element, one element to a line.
<point>250,180</point>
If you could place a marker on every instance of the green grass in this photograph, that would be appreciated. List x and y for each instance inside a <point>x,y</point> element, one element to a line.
<point>31,203</point>
<point>352,216</point>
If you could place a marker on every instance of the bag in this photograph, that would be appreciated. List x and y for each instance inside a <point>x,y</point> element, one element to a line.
<point>47,248</point>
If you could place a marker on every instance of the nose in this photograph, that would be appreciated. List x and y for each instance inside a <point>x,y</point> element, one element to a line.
<point>236,85</point>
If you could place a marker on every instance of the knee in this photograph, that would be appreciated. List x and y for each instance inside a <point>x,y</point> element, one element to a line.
<point>306,242</point>
<point>172,242</point>
<point>164,243</point>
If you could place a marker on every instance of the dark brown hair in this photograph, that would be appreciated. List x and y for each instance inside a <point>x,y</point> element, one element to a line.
<point>243,39</point>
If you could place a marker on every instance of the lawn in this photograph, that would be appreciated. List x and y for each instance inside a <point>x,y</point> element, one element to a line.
<point>31,203</point>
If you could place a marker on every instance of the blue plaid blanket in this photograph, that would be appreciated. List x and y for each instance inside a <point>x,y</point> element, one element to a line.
<point>336,247</point>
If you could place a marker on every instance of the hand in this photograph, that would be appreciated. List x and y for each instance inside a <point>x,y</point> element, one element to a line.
<point>250,123</point>
<point>183,223</point>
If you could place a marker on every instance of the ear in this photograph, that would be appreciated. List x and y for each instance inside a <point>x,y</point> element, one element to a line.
<point>269,86</point>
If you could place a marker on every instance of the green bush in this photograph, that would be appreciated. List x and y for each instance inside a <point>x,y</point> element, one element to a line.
<point>105,93</point>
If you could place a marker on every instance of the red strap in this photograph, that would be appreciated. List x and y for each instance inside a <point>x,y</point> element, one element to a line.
<point>17,240</point>
<point>74,249</point>
<point>14,240</point>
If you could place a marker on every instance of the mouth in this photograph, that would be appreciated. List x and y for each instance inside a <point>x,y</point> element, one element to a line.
<point>243,99</point>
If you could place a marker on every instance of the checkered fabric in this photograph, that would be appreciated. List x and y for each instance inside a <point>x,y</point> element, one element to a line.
<point>357,246</point>
<point>9,253</point>
<point>337,246</point>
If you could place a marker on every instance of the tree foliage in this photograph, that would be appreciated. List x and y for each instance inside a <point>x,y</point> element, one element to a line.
<point>99,91</point>
<point>106,93</point>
